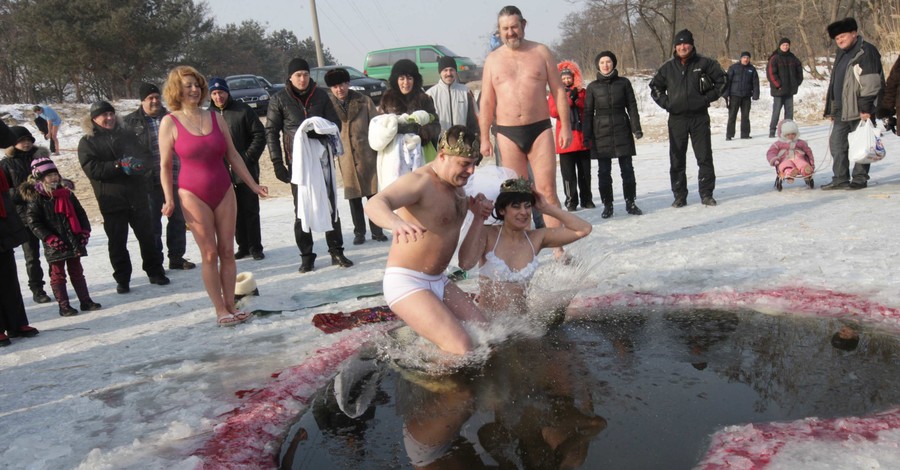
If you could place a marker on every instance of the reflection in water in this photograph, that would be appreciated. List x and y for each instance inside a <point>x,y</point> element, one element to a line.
<point>643,390</point>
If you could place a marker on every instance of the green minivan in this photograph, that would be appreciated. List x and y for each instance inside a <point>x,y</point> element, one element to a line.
<point>379,63</point>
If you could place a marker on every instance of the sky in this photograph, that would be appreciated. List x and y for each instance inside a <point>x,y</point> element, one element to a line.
<point>149,379</point>
<point>351,28</point>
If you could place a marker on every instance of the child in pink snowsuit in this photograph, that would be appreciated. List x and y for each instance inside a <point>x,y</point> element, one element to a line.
<point>791,155</point>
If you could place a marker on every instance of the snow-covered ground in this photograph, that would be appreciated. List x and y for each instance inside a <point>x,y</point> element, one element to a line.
<point>143,382</point>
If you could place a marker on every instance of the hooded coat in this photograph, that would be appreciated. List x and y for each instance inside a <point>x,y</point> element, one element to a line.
<point>611,117</point>
<point>576,109</point>
<point>782,148</point>
<point>99,151</point>
<point>359,163</point>
<point>43,220</point>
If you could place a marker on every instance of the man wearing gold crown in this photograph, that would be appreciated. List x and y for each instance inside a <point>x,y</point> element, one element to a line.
<point>430,207</point>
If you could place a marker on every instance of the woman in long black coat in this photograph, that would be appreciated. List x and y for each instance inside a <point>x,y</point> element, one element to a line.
<point>610,119</point>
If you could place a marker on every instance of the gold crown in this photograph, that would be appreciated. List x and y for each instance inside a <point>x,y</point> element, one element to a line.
<point>460,149</point>
<point>518,185</point>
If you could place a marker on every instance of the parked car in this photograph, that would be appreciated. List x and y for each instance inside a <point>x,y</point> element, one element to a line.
<point>274,87</point>
<point>379,63</point>
<point>252,90</point>
<point>358,81</point>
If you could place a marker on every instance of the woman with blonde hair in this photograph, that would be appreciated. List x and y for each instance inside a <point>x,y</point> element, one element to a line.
<point>203,144</point>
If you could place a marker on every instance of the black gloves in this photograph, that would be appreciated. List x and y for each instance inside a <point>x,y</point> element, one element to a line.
<point>282,172</point>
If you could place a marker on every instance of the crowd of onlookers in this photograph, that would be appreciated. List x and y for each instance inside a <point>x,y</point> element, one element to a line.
<point>157,161</point>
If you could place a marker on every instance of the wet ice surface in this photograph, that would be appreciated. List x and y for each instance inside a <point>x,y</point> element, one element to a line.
<point>638,390</point>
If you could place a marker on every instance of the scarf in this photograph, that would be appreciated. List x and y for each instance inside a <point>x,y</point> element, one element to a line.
<point>4,188</point>
<point>63,205</point>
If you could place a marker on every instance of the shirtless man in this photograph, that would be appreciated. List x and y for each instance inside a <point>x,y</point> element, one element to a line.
<point>513,94</point>
<point>431,206</point>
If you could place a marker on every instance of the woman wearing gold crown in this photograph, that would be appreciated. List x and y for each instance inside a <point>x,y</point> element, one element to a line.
<point>507,253</point>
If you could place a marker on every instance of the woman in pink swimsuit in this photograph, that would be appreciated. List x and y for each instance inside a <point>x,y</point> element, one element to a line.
<point>202,141</point>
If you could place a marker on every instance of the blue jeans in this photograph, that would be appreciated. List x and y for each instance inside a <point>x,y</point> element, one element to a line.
<point>777,103</point>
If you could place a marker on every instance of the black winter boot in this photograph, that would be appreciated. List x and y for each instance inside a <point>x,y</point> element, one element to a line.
<point>62,298</point>
<point>338,259</point>
<point>40,297</point>
<point>607,211</point>
<point>632,208</point>
<point>81,290</point>
<point>307,263</point>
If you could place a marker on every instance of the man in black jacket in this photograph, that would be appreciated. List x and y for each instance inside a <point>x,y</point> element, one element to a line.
<point>743,86</point>
<point>249,139</point>
<point>785,74</point>
<point>144,123</point>
<point>851,99</point>
<point>113,160</point>
<point>300,99</point>
<point>684,86</point>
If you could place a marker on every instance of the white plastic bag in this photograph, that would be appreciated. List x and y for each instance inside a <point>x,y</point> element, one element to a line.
<point>865,144</point>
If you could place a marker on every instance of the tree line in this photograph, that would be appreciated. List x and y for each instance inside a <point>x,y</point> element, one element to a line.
<point>95,49</point>
<point>640,32</point>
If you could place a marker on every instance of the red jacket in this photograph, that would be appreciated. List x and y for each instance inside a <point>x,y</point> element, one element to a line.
<point>577,106</point>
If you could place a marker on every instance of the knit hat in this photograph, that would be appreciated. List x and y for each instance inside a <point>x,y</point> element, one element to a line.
<point>568,72</point>
<point>745,54</point>
<point>336,77</point>
<point>612,56</point>
<point>297,64</point>
<point>445,62</point>
<point>101,107</point>
<point>218,83</point>
<point>244,285</point>
<point>21,133</point>
<point>146,90</point>
<point>684,37</point>
<point>789,127</point>
<point>784,41</point>
<point>405,67</point>
<point>846,25</point>
<point>42,166</point>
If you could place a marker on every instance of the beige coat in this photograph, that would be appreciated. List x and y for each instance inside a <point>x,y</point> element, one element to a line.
<point>358,164</point>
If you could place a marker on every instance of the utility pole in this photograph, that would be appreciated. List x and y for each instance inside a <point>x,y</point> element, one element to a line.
<point>315,21</point>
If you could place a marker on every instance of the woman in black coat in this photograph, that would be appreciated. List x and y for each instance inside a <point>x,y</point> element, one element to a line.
<point>610,119</point>
<point>406,98</point>
<point>13,320</point>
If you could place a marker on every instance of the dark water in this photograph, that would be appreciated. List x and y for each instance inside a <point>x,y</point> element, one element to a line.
<point>644,390</point>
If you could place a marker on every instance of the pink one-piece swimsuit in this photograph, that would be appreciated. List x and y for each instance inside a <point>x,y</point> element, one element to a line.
<point>203,170</point>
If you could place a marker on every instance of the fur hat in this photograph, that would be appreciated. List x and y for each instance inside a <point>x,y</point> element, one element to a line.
<point>20,133</point>
<point>745,54</point>
<point>789,127</point>
<point>405,67</point>
<point>42,166</point>
<point>296,65</point>
<point>218,83</point>
<point>446,61</point>
<point>684,36</point>
<point>245,285</point>
<point>100,107</point>
<point>146,90</point>
<point>784,41</point>
<point>846,25</point>
<point>612,56</point>
<point>336,77</point>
